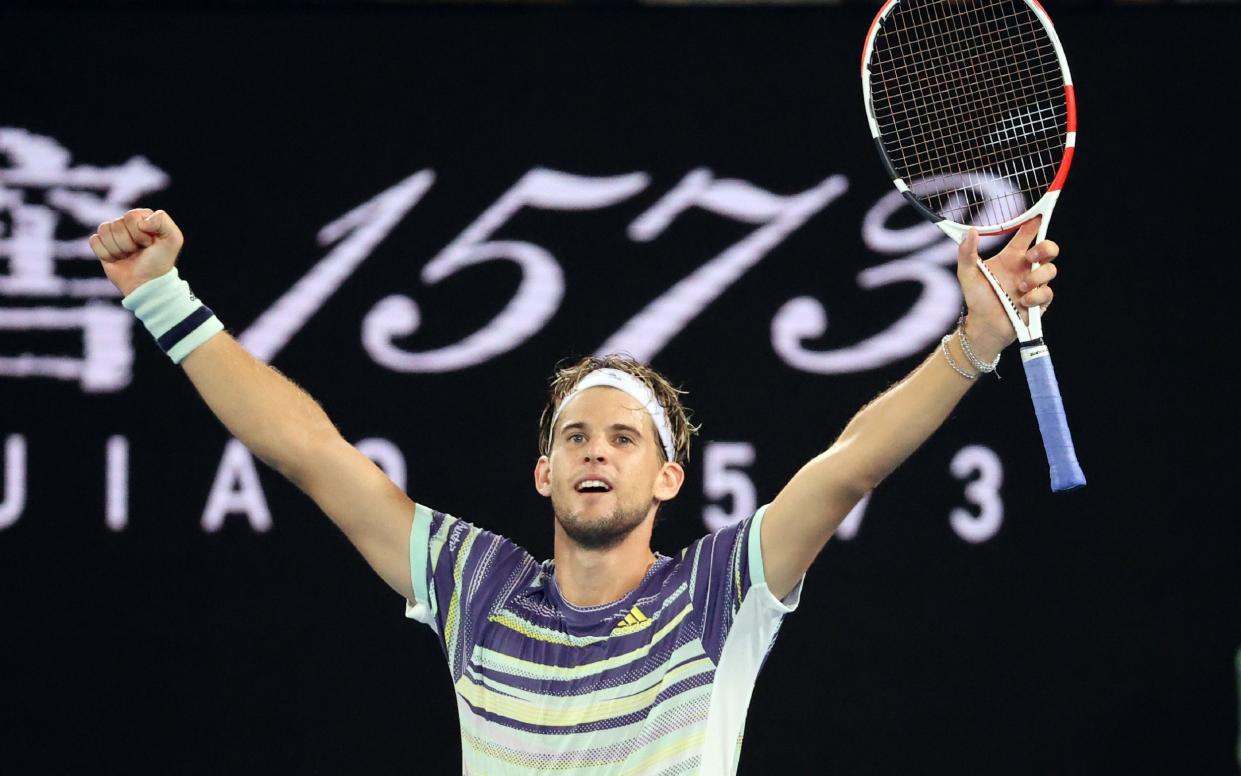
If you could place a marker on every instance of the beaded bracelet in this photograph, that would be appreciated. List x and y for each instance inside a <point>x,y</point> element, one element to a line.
<point>952,362</point>
<point>975,361</point>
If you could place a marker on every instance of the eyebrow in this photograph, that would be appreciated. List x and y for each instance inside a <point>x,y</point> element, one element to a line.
<point>579,425</point>
<point>625,427</point>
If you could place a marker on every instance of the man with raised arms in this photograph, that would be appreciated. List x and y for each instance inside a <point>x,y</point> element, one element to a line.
<point>610,658</point>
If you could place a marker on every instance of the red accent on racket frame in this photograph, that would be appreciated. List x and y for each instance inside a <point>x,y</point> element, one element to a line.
<point>1070,104</point>
<point>871,30</point>
<point>1063,172</point>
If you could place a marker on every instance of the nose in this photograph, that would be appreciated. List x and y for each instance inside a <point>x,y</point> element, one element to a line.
<point>594,451</point>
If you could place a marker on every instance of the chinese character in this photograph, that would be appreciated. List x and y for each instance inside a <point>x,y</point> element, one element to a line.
<point>40,262</point>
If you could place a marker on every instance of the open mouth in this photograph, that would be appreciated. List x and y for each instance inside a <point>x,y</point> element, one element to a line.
<point>593,486</point>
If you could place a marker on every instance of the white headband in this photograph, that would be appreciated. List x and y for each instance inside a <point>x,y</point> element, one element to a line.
<point>623,381</point>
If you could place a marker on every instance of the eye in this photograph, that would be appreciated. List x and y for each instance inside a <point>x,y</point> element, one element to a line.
<point>577,439</point>
<point>624,440</point>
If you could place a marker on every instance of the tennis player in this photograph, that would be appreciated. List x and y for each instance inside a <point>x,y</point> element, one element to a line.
<point>609,658</point>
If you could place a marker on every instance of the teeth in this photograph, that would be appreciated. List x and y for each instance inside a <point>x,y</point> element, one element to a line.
<point>584,484</point>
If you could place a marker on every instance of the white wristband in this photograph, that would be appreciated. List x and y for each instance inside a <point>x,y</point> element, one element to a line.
<point>177,320</point>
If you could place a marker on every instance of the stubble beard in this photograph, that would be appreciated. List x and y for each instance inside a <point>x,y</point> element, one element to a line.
<point>600,533</point>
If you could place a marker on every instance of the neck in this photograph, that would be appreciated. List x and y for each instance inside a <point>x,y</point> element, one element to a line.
<point>594,577</point>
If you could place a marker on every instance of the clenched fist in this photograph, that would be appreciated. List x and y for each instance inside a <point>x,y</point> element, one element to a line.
<point>139,246</point>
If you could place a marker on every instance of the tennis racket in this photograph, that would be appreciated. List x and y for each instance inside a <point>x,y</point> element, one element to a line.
<point>971,106</point>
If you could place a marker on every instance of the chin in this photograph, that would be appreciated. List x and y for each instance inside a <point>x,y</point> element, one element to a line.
<point>607,527</point>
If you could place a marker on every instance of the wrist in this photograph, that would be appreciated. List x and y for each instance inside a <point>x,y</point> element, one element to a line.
<point>986,342</point>
<point>955,356</point>
<point>176,318</point>
<point>128,287</point>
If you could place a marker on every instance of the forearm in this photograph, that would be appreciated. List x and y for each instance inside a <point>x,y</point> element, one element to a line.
<point>284,426</point>
<point>888,430</point>
<point>879,438</point>
<point>272,416</point>
<point>891,427</point>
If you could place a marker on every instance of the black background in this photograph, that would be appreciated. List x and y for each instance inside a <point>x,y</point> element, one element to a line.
<point>1095,633</point>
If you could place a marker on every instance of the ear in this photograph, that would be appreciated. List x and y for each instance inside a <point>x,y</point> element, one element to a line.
<point>668,482</point>
<point>543,476</point>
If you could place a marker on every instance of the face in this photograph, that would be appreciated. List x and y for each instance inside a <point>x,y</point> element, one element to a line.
<point>605,474</point>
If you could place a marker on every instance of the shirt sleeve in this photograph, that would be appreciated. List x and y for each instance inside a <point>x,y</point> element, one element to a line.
<point>460,573</point>
<point>728,567</point>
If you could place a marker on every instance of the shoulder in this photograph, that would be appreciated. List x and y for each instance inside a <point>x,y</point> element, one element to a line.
<point>471,555</point>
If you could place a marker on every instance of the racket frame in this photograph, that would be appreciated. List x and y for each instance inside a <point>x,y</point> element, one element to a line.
<point>1045,204</point>
<point>1066,473</point>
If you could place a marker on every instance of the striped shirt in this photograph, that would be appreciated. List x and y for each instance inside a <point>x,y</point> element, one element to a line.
<point>657,682</point>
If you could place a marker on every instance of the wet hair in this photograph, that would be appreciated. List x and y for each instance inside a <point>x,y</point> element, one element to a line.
<point>668,396</point>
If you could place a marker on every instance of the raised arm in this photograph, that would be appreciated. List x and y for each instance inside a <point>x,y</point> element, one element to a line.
<point>887,430</point>
<point>278,421</point>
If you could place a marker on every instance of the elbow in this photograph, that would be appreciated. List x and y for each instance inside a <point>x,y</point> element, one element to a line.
<point>849,473</point>
<point>868,481</point>
<point>856,489</point>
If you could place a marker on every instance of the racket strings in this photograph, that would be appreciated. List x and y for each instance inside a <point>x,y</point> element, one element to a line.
<point>946,70</point>
<point>969,99</point>
<point>947,73</point>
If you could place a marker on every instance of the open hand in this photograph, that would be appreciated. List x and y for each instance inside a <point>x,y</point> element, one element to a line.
<point>139,246</point>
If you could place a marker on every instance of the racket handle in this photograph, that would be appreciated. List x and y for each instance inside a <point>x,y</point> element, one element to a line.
<point>1066,473</point>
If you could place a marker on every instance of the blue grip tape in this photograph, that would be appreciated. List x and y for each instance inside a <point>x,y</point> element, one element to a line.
<point>1066,473</point>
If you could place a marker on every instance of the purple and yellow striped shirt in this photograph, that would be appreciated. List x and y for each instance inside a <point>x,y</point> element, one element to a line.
<point>657,682</point>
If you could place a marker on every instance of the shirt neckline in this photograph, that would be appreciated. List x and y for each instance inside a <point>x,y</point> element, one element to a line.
<point>591,616</point>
